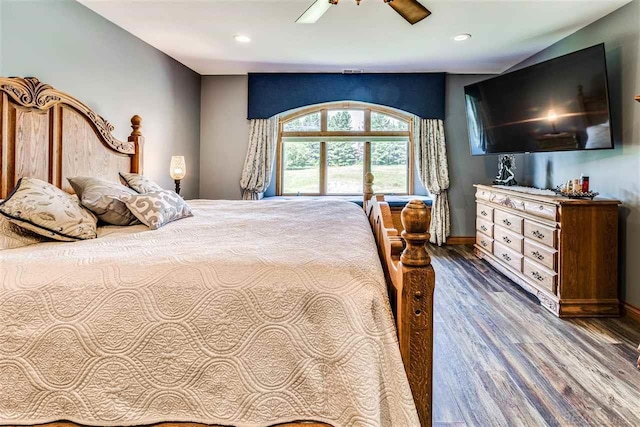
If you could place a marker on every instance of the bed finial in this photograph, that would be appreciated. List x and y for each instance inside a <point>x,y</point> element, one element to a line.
<point>138,141</point>
<point>368,189</point>
<point>136,122</point>
<point>415,220</point>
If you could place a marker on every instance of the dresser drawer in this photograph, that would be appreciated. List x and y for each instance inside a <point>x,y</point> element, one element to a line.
<point>540,209</point>
<point>507,201</point>
<point>484,211</point>
<point>483,194</point>
<point>539,275</point>
<point>540,233</point>
<point>508,256</point>
<point>484,226</point>
<point>484,242</point>
<point>508,238</point>
<point>540,254</point>
<point>508,220</point>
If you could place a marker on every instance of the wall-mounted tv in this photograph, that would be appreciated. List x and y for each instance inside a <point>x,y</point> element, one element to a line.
<point>558,105</point>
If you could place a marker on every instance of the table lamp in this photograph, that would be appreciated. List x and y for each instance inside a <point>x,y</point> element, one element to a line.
<point>177,170</point>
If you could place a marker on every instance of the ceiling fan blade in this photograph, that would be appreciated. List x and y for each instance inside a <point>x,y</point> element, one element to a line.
<point>410,10</point>
<point>314,12</point>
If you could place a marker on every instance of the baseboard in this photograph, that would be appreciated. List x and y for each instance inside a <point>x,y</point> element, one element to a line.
<point>631,311</point>
<point>461,240</point>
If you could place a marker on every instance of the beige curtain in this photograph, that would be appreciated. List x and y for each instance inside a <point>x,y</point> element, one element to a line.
<point>258,164</point>
<point>431,153</point>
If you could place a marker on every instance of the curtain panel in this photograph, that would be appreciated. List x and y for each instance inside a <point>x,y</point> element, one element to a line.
<point>256,174</point>
<point>433,169</point>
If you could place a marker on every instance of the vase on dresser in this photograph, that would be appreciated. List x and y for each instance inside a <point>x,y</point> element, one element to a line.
<point>564,251</point>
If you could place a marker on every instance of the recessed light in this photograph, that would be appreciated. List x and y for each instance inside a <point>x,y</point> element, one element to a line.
<point>461,37</point>
<point>241,39</point>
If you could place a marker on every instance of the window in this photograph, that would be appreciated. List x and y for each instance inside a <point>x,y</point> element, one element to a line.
<point>328,150</point>
<point>307,123</point>
<point>301,164</point>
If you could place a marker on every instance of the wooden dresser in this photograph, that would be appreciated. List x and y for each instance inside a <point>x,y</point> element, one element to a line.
<point>564,251</point>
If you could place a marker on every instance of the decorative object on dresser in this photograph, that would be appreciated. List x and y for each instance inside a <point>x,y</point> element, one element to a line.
<point>177,170</point>
<point>564,251</point>
<point>506,166</point>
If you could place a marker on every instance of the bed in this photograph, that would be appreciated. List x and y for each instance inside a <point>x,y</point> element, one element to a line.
<point>247,314</point>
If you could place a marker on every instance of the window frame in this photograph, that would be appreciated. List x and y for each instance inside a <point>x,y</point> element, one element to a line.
<point>323,109</point>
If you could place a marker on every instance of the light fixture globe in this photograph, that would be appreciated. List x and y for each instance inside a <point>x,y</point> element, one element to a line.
<point>461,37</point>
<point>241,38</point>
<point>177,170</point>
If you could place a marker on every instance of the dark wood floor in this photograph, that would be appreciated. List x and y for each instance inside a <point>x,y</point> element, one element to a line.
<point>502,360</point>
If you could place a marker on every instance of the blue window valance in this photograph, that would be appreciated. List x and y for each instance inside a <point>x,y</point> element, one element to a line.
<point>422,94</point>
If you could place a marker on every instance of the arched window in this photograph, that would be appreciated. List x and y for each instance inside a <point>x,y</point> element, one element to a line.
<point>327,150</point>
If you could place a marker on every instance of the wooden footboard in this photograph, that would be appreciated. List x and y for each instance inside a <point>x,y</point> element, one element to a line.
<point>411,282</point>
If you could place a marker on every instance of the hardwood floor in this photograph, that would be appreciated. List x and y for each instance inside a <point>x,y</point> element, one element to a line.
<point>502,360</point>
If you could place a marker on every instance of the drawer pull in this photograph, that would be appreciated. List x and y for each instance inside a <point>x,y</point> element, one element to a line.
<point>538,234</point>
<point>483,228</point>
<point>537,255</point>
<point>537,276</point>
<point>483,243</point>
<point>506,257</point>
<point>483,213</point>
<point>506,239</point>
<point>506,222</point>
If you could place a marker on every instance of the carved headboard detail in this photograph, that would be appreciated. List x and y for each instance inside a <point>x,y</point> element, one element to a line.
<point>50,135</point>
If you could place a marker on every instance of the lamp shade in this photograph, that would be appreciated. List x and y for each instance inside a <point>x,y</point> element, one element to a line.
<point>178,168</point>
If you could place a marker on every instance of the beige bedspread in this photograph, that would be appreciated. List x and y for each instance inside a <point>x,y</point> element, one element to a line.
<point>247,314</point>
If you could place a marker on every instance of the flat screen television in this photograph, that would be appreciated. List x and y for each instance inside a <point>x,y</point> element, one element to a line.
<point>558,105</point>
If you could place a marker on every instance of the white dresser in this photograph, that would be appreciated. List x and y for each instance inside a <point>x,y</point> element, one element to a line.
<point>564,251</point>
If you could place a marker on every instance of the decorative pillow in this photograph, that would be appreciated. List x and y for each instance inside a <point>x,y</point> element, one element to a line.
<point>103,199</point>
<point>13,236</point>
<point>48,211</point>
<point>140,183</point>
<point>157,208</point>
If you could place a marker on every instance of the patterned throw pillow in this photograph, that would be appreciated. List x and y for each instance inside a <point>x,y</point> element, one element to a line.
<point>48,211</point>
<point>103,199</point>
<point>157,208</point>
<point>140,183</point>
<point>13,236</point>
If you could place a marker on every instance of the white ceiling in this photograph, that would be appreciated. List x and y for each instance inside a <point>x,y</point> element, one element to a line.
<point>372,37</point>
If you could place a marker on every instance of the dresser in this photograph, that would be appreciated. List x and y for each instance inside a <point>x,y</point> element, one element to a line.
<point>564,251</point>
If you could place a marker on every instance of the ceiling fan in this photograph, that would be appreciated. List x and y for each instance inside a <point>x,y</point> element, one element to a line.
<point>410,10</point>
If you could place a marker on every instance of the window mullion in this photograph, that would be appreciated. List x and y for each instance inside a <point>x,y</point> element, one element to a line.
<point>367,159</point>
<point>323,167</point>
<point>323,120</point>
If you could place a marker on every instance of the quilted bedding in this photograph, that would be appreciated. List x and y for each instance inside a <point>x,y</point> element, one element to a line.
<point>247,314</point>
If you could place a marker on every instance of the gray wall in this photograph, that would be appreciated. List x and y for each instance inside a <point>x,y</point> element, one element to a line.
<point>224,136</point>
<point>77,51</point>
<point>614,173</point>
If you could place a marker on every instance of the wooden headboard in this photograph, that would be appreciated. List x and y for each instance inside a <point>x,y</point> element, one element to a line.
<point>49,135</point>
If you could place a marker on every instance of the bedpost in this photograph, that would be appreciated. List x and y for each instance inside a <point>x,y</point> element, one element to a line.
<point>415,314</point>
<point>368,189</point>
<point>138,141</point>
